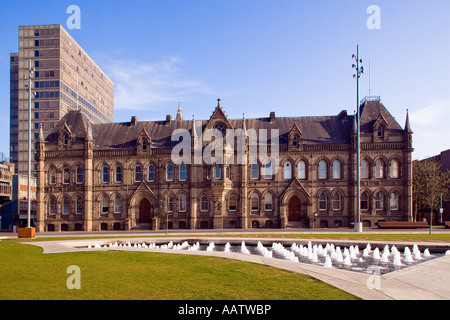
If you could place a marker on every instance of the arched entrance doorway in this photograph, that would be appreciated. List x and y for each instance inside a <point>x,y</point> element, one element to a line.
<point>144,211</point>
<point>294,209</point>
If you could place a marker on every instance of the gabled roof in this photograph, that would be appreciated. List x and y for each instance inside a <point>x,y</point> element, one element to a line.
<point>335,129</point>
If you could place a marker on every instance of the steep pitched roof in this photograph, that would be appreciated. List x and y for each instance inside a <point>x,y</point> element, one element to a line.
<point>335,129</point>
<point>76,121</point>
<point>371,111</point>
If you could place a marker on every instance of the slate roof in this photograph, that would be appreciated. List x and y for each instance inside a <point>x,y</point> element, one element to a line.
<point>315,130</point>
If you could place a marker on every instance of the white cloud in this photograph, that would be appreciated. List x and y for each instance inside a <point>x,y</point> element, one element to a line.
<point>141,85</point>
<point>437,111</point>
<point>431,128</point>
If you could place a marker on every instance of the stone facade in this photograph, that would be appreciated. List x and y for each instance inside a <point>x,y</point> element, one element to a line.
<point>122,176</point>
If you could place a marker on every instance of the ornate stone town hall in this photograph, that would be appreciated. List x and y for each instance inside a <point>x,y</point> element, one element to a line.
<point>121,176</point>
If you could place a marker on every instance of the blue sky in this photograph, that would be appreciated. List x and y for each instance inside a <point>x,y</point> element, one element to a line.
<point>288,56</point>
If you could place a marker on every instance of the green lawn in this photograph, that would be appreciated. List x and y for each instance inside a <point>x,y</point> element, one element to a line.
<point>29,274</point>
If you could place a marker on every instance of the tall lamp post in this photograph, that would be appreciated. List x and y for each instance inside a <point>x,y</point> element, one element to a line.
<point>359,71</point>
<point>28,232</point>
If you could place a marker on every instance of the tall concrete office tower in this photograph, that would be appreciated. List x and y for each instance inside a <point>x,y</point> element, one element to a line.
<point>65,79</point>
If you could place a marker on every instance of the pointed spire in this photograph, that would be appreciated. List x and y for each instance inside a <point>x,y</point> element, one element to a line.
<point>179,113</point>
<point>41,134</point>
<point>89,133</point>
<point>407,125</point>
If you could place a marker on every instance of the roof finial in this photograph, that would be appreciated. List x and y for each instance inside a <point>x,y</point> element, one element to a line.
<point>41,133</point>
<point>179,113</point>
<point>407,125</point>
<point>218,102</point>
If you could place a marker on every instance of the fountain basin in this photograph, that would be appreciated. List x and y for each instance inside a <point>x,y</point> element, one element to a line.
<point>338,255</point>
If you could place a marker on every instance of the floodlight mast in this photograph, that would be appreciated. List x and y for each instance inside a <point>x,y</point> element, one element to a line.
<point>30,72</point>
<point>357,75</point>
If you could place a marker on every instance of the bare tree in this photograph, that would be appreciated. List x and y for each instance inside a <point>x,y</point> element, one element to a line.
<point>429,182</point>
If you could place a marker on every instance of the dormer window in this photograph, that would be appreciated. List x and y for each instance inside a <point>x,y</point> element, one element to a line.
<point>295,141</point>
<point>380,132</point>
<point>144,146</point>
<point>65,140</point>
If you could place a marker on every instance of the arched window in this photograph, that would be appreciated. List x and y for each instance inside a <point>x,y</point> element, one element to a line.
<point>255,202</point>
<point>204,206</point>
<point>138,173</point>
<point>105,174</point>
<point>151,173</point>
<point>118,175</point>
<point>268,170</point>
<point>301,170</point>
<point>144,146</point>
<point>118,205</point>
<point>268,203</point>
<point>52,175</point>
<point>104,205</point>
<point>182,173</point>
<point>394,169</point>
<point>66,140</point>
<point>378,169</point>
<point>79,205</point>
<point>169,172</point>
<point>295,141</point>
<point>66,206</point>
<point>51,210</point>
<point>322,169</point>
<point>364,201</point>
<point>287,170</point>
<point>80,175</point>
<point>232,203</point>
<point>322,201</point>
<point>66,175</point>
<point>182,203</point>
<point>364,169</point>
<point>379,201</point>
<point>218,172</point>
<point>393,201</point>
<point>255,171</point>
<point>337,201</point>
<point>336,169</point>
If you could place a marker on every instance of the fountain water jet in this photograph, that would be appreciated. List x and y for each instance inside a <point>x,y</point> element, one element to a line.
<point>328,263</point>
<point>244,248</point>
<point>397,259</point>
<point>376,254</point>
